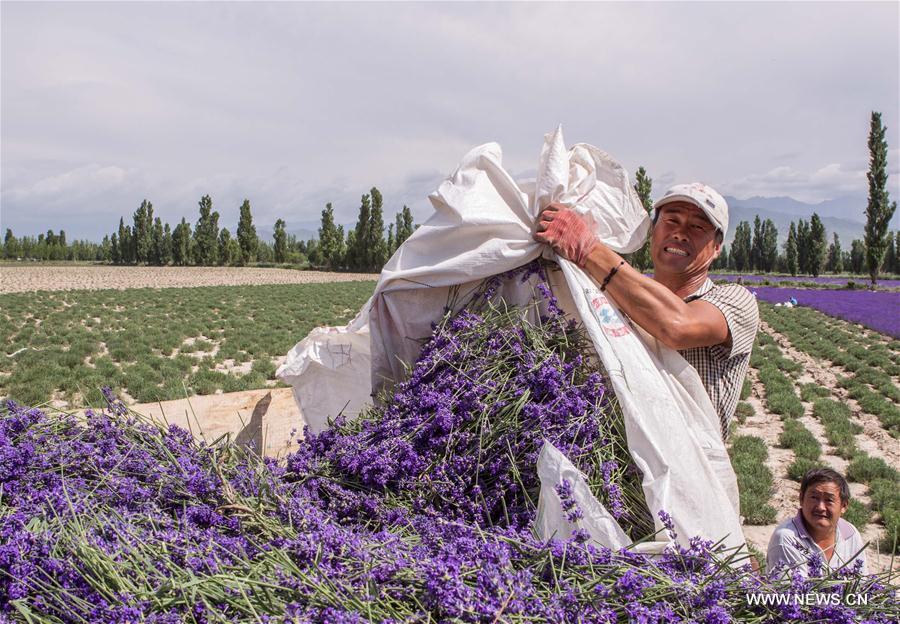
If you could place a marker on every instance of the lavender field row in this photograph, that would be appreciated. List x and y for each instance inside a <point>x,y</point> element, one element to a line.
<point>878,310</point>
<point>804,279</point>
<point>154,344</point>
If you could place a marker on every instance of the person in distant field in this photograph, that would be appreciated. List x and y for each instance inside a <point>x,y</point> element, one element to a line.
<point>818,527</point>
<point>712,326</point>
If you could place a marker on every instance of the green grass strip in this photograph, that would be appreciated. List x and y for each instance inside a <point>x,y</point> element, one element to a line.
<point>755,482</point>
<point>839,429</point>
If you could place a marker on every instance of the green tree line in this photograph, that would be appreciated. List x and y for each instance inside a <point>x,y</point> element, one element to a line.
<point>755,249</point>
<point>807,250</point>
<point>146,240</point>
<point>368,246</point>
<point>50,246</point>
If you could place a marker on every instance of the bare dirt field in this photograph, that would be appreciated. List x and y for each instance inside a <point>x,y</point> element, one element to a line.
<point>15,278</point>
<point>768,426</point>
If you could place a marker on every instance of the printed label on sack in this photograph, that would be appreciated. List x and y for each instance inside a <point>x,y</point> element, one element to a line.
<point>610,321</point>
<point>339,352</point>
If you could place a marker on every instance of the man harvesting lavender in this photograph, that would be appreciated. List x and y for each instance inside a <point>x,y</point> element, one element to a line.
<point>712,326</point>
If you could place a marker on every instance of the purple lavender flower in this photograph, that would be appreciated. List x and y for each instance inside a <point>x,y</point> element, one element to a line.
<point>874,309</point>
<point>573,511</point>
<point>419,512</point>
<point>668,523</point>
<point>486,391</point>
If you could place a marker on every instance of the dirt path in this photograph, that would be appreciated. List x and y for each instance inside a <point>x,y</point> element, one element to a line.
<point>874,440</point>
<point>768,426</point>
<point>26,278</point>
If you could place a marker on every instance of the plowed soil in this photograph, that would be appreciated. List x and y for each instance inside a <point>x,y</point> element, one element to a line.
<point>25,278</point>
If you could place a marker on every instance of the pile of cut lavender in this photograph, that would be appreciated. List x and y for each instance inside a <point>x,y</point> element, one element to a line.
<point>462,434</point>
<point>417,512</point>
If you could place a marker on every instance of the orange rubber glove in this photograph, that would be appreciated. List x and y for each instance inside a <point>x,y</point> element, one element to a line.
<point>566,232</point>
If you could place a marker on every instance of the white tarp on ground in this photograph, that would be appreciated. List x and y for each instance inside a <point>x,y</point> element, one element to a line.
<point>482,226</point>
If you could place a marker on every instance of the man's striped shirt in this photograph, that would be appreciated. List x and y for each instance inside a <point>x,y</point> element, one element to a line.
<point>722,368</point>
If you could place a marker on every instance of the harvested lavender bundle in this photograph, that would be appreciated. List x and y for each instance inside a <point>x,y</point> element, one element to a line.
<point>111,519</point>
<point>463,432</point>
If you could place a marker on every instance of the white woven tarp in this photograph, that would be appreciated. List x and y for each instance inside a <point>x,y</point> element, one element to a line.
<point>482,226</point>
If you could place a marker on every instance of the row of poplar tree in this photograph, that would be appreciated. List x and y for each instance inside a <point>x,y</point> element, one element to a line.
<point>147,240</point>
<point>807,250</point>
<point>150,241</point>
<point>365,247</point>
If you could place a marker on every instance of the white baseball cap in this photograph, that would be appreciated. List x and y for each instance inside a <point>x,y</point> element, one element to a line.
<point>704,197</point>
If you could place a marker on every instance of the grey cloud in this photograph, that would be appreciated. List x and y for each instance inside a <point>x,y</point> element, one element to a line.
<point>663,181</point>
<point>296,104</point>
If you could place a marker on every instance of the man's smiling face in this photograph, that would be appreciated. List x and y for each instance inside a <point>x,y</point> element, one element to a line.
<point>822,506</point>
<point>684,240</point>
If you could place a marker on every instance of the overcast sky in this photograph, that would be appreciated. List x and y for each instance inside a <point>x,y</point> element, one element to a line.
<point>293,105</point>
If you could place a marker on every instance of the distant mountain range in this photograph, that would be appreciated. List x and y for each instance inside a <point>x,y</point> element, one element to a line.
<point>848,208</point>
<point>846,215</point>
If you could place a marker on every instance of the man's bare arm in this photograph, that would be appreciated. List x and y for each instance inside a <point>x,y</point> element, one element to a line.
<point>650,304</point>
<point>655,308</point>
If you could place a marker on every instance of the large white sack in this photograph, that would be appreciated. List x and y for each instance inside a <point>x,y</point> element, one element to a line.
<point>482,226</point>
